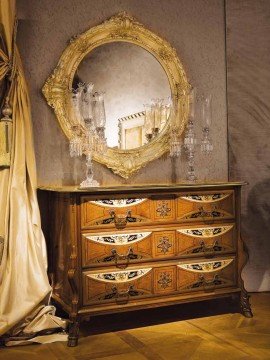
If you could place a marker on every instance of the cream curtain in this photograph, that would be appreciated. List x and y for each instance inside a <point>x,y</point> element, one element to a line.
<point>23,278</point>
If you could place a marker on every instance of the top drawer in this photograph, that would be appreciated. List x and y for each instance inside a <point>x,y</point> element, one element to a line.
<point>205,206</point>
<point>128,212</point>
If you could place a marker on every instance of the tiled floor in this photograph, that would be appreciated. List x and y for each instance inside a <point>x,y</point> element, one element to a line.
<point>173,333</point>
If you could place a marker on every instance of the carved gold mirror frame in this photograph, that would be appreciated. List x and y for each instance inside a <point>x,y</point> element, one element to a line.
<point>121,27</point>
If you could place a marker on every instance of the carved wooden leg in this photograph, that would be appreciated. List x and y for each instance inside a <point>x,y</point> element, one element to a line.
<point>73,332</point>
<point>245,305</point>
<point>242,261</point>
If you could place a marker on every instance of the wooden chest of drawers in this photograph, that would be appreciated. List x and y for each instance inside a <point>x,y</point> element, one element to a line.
<point>125,248</point>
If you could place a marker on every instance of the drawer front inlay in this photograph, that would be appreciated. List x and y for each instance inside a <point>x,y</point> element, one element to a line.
<point>206,232</point>
<point>115,213</point>
<point>204,214</point>
<point>125,286</point>
<point>163,210</point>
<point>206,266</point>
<point>118,239</point>
<point>165,279</point>
<point>111,220</point>
<point>118,287</point>
<point>207,276</point>
<point>125,213</point>
<point>206,206</point>
<point>164,244</point>
<point>119,276</point>
<point>118,203</point>
<point>124,248</point>
<point>206,198</point>
<point>206,240</point>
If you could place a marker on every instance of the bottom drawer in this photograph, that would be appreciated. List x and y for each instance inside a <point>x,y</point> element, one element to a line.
<point>122,286</point>
<point>117,286</point>
<point>206,275</point>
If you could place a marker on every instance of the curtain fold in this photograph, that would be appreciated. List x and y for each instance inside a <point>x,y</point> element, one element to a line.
<point>23,278</point>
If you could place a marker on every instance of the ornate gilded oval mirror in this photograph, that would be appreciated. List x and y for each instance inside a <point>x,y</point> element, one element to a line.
<point>130,87</point>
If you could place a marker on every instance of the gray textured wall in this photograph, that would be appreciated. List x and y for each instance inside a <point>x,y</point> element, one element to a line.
<point>194,27</point>
<point>248,63</point>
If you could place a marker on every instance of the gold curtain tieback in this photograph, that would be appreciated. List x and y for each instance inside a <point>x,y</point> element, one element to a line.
<point>5,134</point>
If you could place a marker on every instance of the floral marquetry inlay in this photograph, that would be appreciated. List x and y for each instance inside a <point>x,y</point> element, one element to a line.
<point>165,280</point>
<point>207,266</point>
<point>164,244</point>
<point>163,209</point>
<point>205,198</point>
<point>118,239</point>
<point>202,283</point>
<point>118,203</point>
<point>206,214</point>
<point>119,276</point>
<point>206,232</point>
<point>111,219</point>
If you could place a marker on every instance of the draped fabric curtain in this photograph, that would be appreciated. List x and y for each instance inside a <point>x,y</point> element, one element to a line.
<point>23,278</point>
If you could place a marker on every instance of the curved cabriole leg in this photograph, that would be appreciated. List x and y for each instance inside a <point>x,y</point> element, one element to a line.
<point>245,305</point>
<point>73,332</point>
<point>242,261</point>
<point>244,297</point>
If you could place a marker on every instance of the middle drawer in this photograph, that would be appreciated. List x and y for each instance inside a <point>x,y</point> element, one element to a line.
<point>124,247</point>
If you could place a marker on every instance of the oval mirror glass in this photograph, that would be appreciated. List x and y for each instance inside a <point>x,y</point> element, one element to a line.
<point>135,89</point>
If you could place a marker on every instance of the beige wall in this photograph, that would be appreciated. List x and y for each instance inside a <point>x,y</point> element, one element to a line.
<point>248,63</point>
<point>194,27</point>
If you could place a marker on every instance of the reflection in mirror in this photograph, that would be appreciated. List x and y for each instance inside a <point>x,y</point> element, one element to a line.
<point>135,89</point>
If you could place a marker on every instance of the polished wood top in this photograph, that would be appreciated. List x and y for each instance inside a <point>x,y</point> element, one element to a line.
<point>144,188</point>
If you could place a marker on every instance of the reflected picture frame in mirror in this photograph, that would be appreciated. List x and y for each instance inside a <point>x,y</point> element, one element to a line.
<point>121,27</point>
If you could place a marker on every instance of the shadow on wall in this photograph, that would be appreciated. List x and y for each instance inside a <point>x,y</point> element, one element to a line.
<point>256,234</point>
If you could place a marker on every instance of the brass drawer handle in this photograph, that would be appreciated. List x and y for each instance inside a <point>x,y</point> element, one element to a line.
<point>120,257</point>
<point>120,220</point>
<point>203,213</point>
<point>208,214</point>
<point>122,296</point>
<point>209,249</point>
